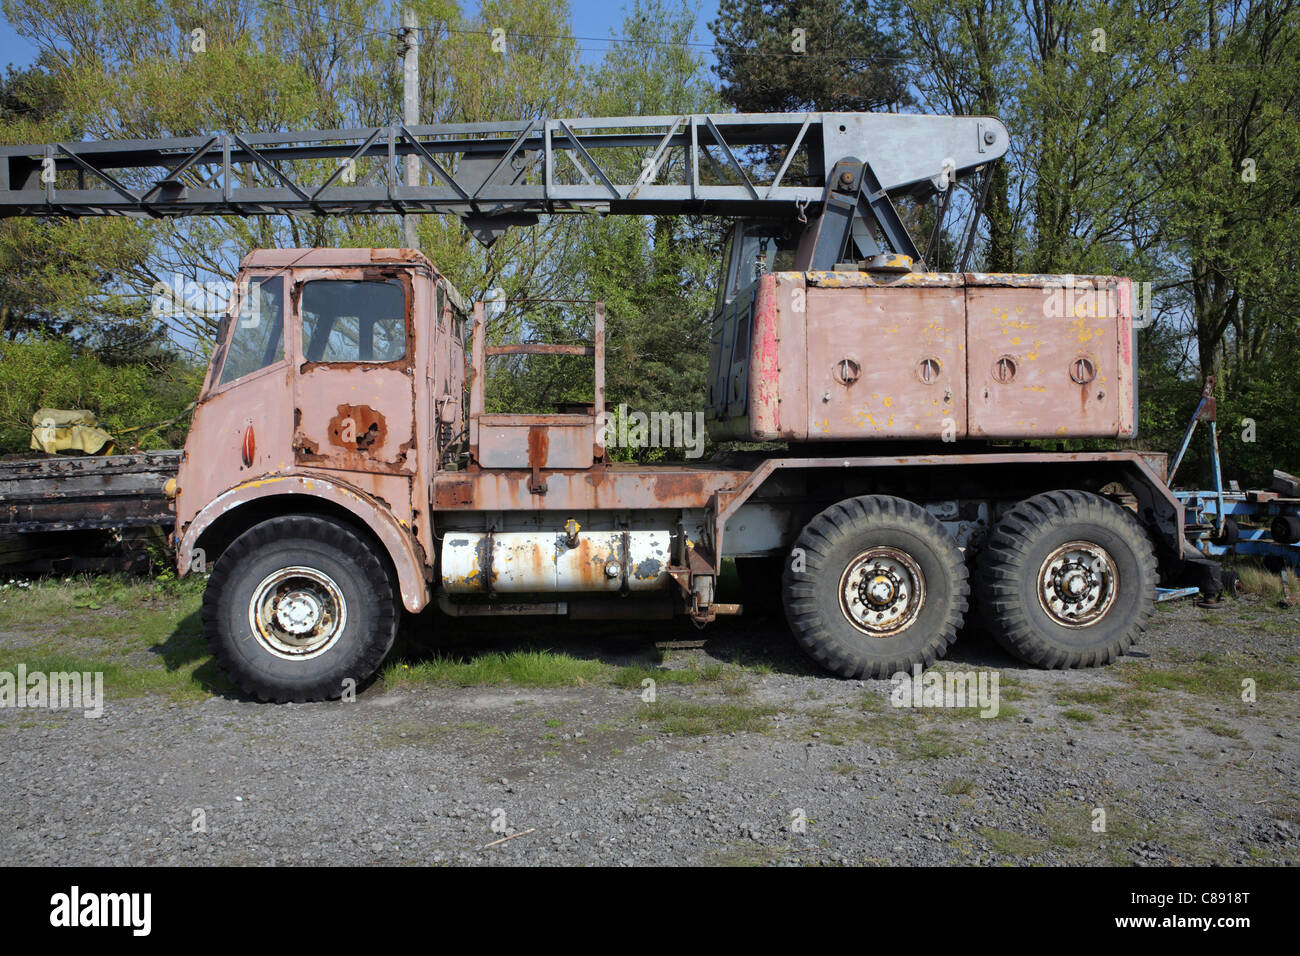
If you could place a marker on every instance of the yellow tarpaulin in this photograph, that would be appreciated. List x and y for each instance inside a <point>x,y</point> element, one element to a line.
<point>58,430</point>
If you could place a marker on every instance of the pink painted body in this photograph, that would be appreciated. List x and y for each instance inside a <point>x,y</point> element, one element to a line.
<point>851,356</point>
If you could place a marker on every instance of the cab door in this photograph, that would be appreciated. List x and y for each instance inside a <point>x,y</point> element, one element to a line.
<point>354,390</point>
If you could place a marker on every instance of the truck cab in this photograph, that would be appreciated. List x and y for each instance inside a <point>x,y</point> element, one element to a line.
<point>335,385</point>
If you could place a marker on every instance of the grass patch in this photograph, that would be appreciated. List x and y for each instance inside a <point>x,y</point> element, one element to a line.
<point>1134,704</point>
<point>1207,678</point>
<point>959,787</point>
<point>408,733</point>
<point>1259,582</point>
<point>544,668</point>
<point>1223,730</point>
<point>523,668</point>
<point>912,744</point>
<point>695,719</point>
<point>748,854</point>
<point>631,677</point>
<point>144,636</point>
<point>1009,843</point>
<point>1094,697</point>
<point>1079,715</point>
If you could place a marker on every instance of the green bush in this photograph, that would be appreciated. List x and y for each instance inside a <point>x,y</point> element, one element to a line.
<point>55,373</point>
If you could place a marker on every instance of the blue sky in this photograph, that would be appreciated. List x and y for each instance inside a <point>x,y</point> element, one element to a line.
<point>594,19</point>
<point>14,49</point>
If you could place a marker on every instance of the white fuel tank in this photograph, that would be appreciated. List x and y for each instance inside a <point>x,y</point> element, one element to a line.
<point>512,562</point>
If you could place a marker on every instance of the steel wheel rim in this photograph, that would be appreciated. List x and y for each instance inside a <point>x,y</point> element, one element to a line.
<point>1077,584</point>
<point>297,613</point>
<point>882,591</point>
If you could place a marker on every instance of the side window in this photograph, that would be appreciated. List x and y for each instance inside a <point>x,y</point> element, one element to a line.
<point>724,277</point>
<point>353,321</point>
<point>257,336</point>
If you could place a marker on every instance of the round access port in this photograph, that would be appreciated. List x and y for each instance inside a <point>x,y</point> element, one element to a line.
<point>1004,369</point>
<point>1083,370</point>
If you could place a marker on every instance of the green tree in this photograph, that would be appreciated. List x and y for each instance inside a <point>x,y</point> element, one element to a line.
<point>821,55</point>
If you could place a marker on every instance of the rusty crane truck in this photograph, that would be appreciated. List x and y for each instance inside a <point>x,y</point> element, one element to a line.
<point>342,465</point>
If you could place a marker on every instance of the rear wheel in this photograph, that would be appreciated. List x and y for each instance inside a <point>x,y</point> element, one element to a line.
<point>297,606</point>
<point>1067,579</point>
<point>874,586</point>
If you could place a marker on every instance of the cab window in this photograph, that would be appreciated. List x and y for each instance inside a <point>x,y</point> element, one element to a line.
<point>753,251</point>
<point>353,321</point>
<point>257,333</point>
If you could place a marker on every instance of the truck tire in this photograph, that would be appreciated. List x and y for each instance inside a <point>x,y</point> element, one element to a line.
<point>1067,579</point>
<point>297,606</point>
<point>874,586</point>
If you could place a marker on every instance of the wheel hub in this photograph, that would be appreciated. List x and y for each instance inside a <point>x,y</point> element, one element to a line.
<point>297,613</point>
<point>879,591</point>
<point>882,591</point>
<point>1077,584</point>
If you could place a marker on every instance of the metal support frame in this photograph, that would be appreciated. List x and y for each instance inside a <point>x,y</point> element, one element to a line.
<point>854,193</point>
<point>1206,409</point>
<point>495,175</point>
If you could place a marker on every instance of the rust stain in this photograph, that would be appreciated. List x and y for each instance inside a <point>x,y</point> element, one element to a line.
<point>357,427</point>
<point>453,494</point>
<point>677,485</point>
<point>539,444</point>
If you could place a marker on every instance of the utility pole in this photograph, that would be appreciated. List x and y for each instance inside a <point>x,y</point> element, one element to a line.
<point>411,109</point>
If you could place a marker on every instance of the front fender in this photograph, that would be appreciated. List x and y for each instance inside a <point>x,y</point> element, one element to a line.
<point>397,539</point>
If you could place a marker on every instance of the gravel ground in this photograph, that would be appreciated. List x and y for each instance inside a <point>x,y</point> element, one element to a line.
<point>771,763</point>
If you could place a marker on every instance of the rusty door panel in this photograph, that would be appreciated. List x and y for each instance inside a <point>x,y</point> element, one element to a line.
<point>886,363</point>
<point>354,435</point>
<point>1043,364</point>
<point>355,416</point>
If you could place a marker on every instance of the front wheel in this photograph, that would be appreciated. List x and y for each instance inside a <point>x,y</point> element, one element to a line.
<point>297,607</point>
<point>1067,579</point>
<point>875,585</point>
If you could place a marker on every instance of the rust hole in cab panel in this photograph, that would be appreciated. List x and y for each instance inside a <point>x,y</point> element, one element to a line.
<point>357,427</point>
